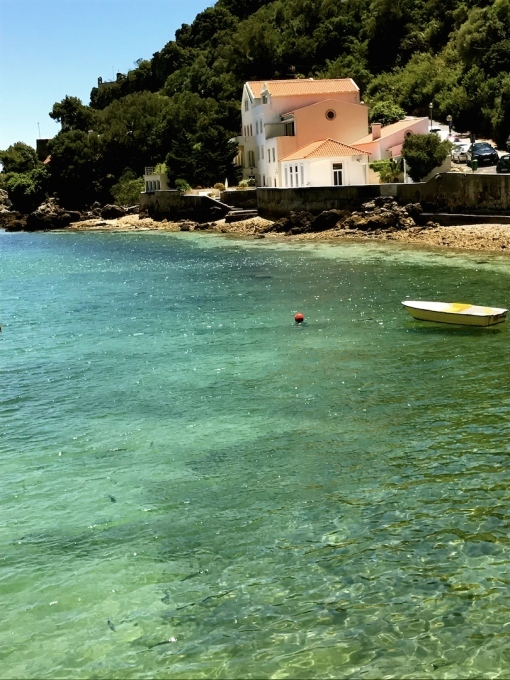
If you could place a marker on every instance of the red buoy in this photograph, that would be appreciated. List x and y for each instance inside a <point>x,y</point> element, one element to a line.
<point>299,318</point>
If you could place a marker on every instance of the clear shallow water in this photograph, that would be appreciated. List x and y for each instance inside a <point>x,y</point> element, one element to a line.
<point>191,486</point>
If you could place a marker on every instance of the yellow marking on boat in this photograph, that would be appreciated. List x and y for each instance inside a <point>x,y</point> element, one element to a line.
<point>457,307</point>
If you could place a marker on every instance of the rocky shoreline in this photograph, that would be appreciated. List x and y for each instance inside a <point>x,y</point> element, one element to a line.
<point>379,220</point>
<point>331,226</point>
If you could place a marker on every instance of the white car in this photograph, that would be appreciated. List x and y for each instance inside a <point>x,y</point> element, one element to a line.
<point>460,152</point>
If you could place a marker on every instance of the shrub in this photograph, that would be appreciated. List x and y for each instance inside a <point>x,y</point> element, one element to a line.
<point>388,170</point>
<point>243,184</point>
<point>423,153</point>
<point>128,189</point>
<point>220,186</point>
<point>386,112</point>
<point>182,186</point>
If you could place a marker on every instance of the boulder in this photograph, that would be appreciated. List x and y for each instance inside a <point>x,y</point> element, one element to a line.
<point>298,222</point>
<point>49,215</point>
<point>329,219</point>
<point>5,201</point>
<point>112,212</point>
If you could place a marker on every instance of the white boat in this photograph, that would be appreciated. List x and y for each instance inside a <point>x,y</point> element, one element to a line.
<point>460,313</point>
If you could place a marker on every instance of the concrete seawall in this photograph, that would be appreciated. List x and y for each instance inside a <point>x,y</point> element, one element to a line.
<point>455,193</point>
<point>448,193</point>
<point>171,205</point>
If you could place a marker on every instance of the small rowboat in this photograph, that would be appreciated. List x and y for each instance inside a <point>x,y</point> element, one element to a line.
<point>459,313</point>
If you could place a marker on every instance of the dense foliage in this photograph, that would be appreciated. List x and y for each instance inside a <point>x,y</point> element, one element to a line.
<point>182,106</point>
<point>423,153</point>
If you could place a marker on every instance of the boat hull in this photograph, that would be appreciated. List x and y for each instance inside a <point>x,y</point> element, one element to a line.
<point>456,313</point>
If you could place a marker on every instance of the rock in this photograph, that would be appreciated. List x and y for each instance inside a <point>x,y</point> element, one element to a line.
<point>5,201</point>
<point>298,222</point>
<point>12,221</point>
<point>112,212</point>
<point>49,215</point>
<point>187,225</point>
<point>133,210</point>
<point>328,219</point>
<point>414,210</point>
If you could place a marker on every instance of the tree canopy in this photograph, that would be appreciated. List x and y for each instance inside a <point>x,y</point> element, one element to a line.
<point>182,105</point>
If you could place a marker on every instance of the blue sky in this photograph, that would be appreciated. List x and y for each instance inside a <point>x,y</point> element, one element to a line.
<point>53,48</point>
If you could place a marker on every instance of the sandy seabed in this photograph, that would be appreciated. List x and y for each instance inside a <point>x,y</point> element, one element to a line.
<point>480,237</point>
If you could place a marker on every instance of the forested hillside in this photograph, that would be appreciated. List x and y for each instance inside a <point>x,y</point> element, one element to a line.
<point>183,105</point>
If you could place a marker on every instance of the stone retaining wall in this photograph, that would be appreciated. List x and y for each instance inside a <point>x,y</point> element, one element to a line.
<point>173,206</point>
<point>449,192</point>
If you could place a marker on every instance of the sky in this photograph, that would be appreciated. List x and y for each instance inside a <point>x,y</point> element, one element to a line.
<point>53,48</point>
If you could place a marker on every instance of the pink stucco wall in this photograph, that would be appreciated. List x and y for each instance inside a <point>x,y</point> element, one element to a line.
<point>350,122</point>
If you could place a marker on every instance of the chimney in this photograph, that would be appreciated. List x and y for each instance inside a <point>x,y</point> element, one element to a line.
<point>376,130</point>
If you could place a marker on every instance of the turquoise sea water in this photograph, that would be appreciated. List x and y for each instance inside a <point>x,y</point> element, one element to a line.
<point>192,486</point>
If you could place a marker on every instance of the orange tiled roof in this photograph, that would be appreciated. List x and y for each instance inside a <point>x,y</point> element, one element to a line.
<point>390,129</point>
<point>300,86</point>
<point>325,148</point>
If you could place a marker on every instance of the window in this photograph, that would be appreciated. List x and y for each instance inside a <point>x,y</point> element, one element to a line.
<point>251,130</point>
<point>246,105</point>
<point>286,177</point>
<point>251,159</point>
<point>269,155</point>
<point>264,98</point>
<point>262,152</point>
<point>302,168</point>
<point>291,172</point>
<point>256,127</point>
<point>289,129</point>
<point>337,174</point>
<point>273,155</point>
<point>263,180</point>
<point>258,153</point>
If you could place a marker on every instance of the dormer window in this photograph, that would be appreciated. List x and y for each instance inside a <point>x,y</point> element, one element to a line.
<point>264,99</point>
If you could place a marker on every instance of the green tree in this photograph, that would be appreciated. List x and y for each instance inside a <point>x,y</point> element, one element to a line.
<point>19,158</point>
<point>73,168</point>
<point>386,112</point>
<point>73,115</point>
<point>127,190</point>
<point>27,190</point>
<point>423,153</point>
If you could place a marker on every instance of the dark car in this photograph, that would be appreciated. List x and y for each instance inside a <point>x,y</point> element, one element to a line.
<point>503,164</point>
<point>483,152</point>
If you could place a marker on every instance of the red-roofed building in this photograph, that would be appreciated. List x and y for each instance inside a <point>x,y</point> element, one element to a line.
<point>325,162</point>
<point>306,132</point>
<point>283,117</point>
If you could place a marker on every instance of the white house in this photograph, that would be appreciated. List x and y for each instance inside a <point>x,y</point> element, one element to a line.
<point>325,162</point>
<point>306,132</point>
<point>283,117</point>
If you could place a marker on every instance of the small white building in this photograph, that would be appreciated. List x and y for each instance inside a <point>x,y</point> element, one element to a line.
<point>154,181</point>
<point>325,162</point>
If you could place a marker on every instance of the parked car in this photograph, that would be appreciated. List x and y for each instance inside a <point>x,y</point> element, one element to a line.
<point>442,134</point>
<point>503,164</point>
<point>483,152</point>
<point>460,152</point>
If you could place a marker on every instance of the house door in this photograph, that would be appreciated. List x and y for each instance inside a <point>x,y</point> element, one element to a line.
<point>337,174</point>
